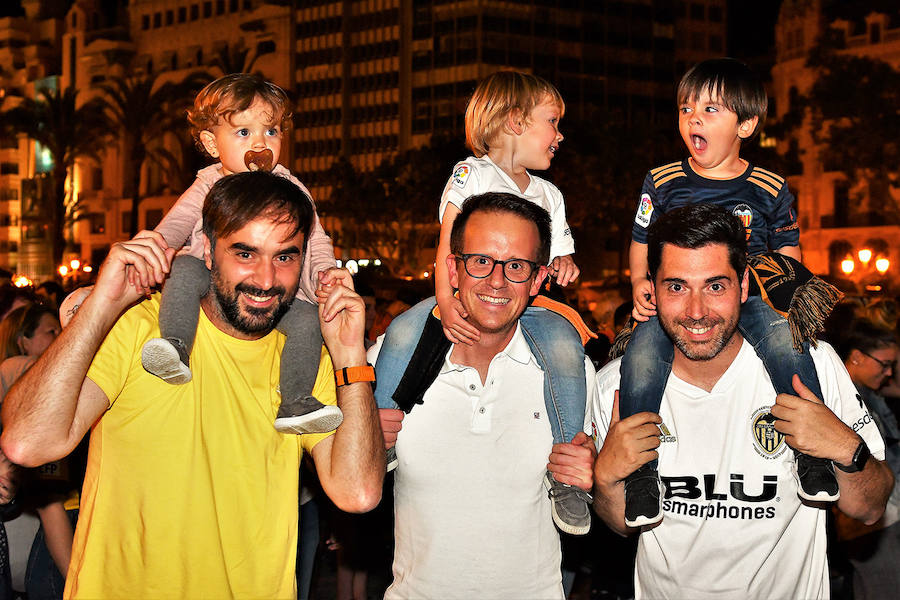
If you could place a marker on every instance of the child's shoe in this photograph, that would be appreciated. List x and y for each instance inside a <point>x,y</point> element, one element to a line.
<point>307,415</point>
<point>392,460</point>
<point>643,497</point>
<point>815,478</point>
<point>570,506</point>
<point>168,359</point>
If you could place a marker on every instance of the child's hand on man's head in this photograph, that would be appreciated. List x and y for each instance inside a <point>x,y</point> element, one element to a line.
<point>564,269</point>
<point>644,301</point>
<point>453,321</point>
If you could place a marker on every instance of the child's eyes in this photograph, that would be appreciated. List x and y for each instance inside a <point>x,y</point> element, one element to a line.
<point>684,110</point>
<point>712,109</point>
<point>243,132</point>
<point>273,131</point>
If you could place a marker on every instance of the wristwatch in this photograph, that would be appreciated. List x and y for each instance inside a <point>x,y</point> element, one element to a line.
<point>349,375</point>
<point>860,457</point>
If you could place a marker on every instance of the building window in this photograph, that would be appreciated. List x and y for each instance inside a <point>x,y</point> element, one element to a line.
<point>9,168</point>
<point>145,22</point>
<point>170,17</point>
<point>715,45</point>
<point>182,14</point>
<point>233,6</point>
<point>207,10</point>
<point>157,20</point>
<point>98,223</point>
<point>126,221</point>
<point>874,33</point>
<point>97,179</point>
<point>220,7</point>
<point>195,12</point>
<point>697,12</point>
<point>715,14</point>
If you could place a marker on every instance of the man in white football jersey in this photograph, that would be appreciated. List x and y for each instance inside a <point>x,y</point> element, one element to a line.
<point>733,524</point>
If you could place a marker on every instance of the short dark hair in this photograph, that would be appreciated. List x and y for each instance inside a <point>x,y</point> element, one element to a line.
<point>237,199</point>
<point>502,202</point>
<point>732,83</point>
<point>866,336</point>
<point>694,226</point>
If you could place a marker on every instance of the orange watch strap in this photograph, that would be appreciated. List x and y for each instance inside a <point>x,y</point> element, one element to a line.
<point>349,375</point>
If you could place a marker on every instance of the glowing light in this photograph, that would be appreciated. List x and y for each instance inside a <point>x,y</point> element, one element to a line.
<point>352,266</point>
<point>847,266</point>
<point>340,263</point>
<point>63,270</point>
<point>87,268</point>
<point>21,281</point>
<point>75,263</point>
<point>377,262</point>
<point>363,262</point>
<point>882,265</point>
<point>865,255</point>
<point>426,274</point>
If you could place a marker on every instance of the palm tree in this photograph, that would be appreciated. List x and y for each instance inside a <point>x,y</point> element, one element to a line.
<point>68,132</point>
<point>144,112</point>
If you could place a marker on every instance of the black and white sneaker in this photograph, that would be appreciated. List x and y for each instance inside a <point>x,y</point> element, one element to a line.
<point>570,506</point>
<point>392,460</point>
<point>307,415</point>
<point>643,497</point>
<point>815,479</point>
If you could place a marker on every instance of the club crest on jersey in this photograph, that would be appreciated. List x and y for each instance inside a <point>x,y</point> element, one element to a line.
<point>767,441</point>
<point>460,175</point>
<point>644,211</point>
<point>743,212</point>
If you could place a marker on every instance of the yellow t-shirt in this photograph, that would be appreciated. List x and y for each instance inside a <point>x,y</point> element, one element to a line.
<point>189,491</point>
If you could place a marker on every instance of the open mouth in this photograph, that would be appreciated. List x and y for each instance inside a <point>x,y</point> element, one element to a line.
<point>553,149</point>
<point>699,142</point>
<point>493,300</point>
<point>698,330</point>
<point>256,300</point>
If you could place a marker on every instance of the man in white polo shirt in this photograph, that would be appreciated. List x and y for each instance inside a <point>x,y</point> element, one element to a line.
<point>472,515</point>
<point>733,525</point>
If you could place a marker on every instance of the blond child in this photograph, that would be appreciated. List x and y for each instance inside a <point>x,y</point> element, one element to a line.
<point>512,126</point>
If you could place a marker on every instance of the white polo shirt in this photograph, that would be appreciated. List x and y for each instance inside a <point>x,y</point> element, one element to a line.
<point>733,525</point>
<point>480,175</point>
<point>471,515</point>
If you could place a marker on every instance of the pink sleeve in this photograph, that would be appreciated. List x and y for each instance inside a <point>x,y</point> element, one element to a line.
<point>184,216</point>
<point>319,249</point>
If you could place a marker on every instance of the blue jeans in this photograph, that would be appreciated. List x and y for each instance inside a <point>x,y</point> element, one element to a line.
<point>647,362</point>
<point>43,581</point>
<point>307,543</point>
<point>553,341</point>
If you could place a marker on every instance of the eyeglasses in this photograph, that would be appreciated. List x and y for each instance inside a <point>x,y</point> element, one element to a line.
<point>516,270</point>
<point>886,365</point>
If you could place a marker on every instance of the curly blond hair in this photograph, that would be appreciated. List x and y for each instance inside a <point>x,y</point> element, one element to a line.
<point>232,94</point>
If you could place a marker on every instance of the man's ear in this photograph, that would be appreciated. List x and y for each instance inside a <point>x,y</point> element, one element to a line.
<point>516,121</point>
<point>209,143</point>
<point>746,129</point>
<point>451,269</point>
<point>538,280</point>
<point>207,253</point>
<point>745,285</point>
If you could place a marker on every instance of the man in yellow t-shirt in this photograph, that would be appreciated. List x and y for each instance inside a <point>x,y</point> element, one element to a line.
<point>189,491</point>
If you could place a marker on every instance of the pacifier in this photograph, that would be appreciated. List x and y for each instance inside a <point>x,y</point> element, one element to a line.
<point>263,160</point>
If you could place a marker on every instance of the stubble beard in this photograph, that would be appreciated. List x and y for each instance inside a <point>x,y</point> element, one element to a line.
<point>705,351</point>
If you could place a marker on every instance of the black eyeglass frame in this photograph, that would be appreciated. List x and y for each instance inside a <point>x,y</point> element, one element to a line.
<point>494,262</point>
<point>886,365</point>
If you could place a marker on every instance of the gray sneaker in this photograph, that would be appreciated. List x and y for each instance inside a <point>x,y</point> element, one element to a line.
<point>570,506</point>
<point>307,415</point>
<point>168,359</point>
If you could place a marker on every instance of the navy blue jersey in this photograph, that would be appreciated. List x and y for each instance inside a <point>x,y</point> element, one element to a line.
<point>760,198</point>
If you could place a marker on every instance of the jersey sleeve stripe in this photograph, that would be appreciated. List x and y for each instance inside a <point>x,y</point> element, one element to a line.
<point>669,178</point>
<point>776,183</point>
<point>774,176</point>
<point>763,185</point>
<point>658,170</point>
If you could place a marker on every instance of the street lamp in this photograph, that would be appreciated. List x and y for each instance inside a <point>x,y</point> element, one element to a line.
<point>882,265</point>
<point>63,270</point>
<point>847,265</point>
<point>865,255</point>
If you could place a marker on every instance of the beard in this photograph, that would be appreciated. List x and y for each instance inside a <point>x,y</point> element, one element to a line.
<point>700,351</point>
<point>250,320</point>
